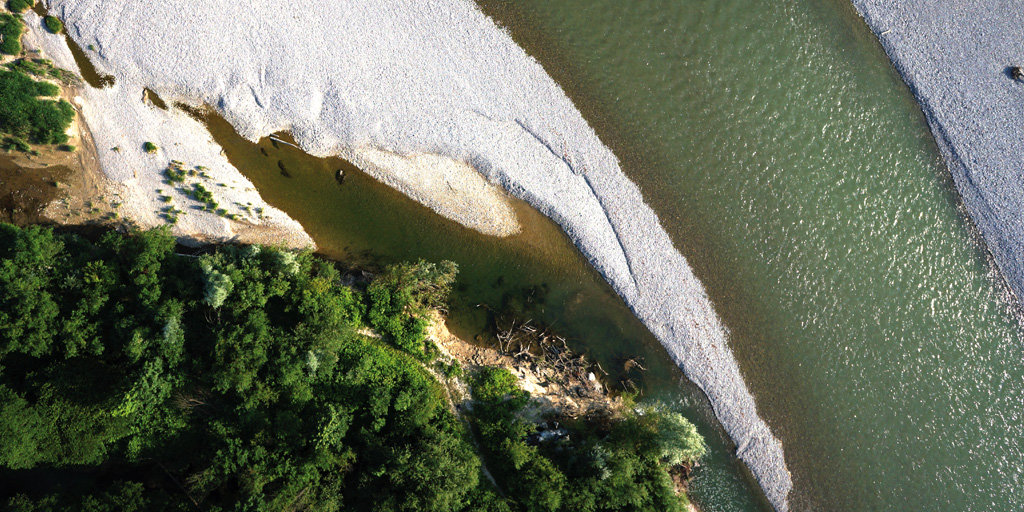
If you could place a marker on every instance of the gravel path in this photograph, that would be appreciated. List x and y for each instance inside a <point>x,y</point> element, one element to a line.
<point>362,78</point>
<point>955,57</point>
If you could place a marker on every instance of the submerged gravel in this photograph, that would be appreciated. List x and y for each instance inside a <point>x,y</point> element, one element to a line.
<point>436,78</point>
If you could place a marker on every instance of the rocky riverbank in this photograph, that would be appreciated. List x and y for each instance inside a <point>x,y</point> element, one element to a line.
<point>558,392</point>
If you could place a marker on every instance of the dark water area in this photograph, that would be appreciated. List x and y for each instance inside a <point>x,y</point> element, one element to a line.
<point>537,274</point>
<point>793,169</point>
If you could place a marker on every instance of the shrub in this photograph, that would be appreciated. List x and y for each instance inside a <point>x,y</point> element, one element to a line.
<point>678,440</point>
<point>15,144</point>
<point>453,369</point>
<point>10,31</point>
<point>67,147</point>
<point>174,175</point>
<point>149,147</point>
<point>493,384</point>
<point>20,6</point>
<point>401,296</point>
<point>218,286</point>
<point>23,114</point>
<point>201,194</point>
<point>53,24</point>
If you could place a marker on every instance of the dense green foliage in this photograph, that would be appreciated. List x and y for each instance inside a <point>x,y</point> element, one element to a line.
<point>237,378</point>
<point>135,378</point>
<point>11,29</point>
<point>20,6</point>
<point>53,24</point>
<point>621,466</point>
<point>400,296</point>
<point>493,385</point>
<point>23,114</point>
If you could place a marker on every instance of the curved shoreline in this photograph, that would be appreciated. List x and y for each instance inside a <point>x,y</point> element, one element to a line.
<point>954,59</point>
<point>441,79</point>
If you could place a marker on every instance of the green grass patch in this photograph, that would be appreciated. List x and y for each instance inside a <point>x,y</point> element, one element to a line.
<point>174,174</point>
<point>149,147</point>
<point>20,6</point>
<point>43,68</point>
<point>23,114</point>
<point>53,24</point>
<point>34,67</point>
<point>11,29</point>
<point>201,194</point>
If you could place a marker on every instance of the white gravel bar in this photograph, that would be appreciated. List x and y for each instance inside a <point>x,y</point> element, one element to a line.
<point>118,118</point>
<point>395,85</point>
<point>955,57</point>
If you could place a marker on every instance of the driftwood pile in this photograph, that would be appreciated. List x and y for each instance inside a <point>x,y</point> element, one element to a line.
<point>537,345</point>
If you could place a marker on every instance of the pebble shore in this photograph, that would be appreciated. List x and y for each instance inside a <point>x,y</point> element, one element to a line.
<point>956,59</point>
<point>120,122</point>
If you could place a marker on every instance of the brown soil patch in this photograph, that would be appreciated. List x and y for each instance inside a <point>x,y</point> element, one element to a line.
<point>57,186</point>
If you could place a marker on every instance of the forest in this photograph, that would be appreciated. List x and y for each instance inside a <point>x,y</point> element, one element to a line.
<point>139,375</point>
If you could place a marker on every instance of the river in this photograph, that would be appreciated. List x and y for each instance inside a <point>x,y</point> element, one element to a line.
<point>795,172</point>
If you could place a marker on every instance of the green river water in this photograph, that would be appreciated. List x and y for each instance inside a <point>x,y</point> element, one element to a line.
<point>795,172</point>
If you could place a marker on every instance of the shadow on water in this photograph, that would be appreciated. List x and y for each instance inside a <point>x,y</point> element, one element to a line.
<point>537,273</point>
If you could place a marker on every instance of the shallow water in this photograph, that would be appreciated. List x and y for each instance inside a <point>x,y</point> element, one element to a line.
<point>796,174</point>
